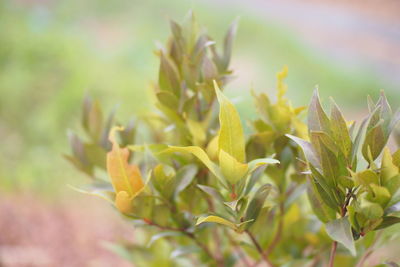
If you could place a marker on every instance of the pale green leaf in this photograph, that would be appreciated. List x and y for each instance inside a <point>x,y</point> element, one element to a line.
<point>99,189</point>
<point>340,231</point>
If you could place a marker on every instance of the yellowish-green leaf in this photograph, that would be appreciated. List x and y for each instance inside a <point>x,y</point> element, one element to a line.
<point>216,219</point>
<point>388,169</point>
<point>366,178</point>
<point>201,155</point>
<point>254,164</point>
<point>231,137</point>
<point>381,195</point>
<point>212,148</point>
<point>232,169</point>
<point>102,190</point>
<point>281,86</point>
<point>197,131</point>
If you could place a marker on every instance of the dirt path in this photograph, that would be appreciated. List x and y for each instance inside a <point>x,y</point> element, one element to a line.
<point>36,233</point>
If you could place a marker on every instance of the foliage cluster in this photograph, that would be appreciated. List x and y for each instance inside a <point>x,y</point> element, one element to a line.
<point>289,194</point>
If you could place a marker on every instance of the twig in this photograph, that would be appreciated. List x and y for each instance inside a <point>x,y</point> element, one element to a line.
<point>278,234</point>
<point>333,254</point>
<point>238,250</point>
<point>259,249</point>
<point>369,251</point>
<point>343,211</point>
<point>191,236</point>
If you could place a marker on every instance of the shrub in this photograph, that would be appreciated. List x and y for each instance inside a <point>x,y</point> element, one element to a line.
<point>203,193</point>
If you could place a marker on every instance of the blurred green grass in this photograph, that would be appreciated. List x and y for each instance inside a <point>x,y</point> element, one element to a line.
<point>54,53</point>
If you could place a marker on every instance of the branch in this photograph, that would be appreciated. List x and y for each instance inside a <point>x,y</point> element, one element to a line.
<point>343,211</point>
<point>259,249</point>
<point>191,236</point>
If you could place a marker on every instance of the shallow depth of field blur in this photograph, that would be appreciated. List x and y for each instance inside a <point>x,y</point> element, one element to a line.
<point>53,53</point>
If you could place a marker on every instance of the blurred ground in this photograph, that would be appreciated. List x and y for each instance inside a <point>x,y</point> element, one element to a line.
<point>63,233</point>
<point>53,53</point>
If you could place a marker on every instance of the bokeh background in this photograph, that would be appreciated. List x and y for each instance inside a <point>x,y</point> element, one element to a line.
<point>53,53</point>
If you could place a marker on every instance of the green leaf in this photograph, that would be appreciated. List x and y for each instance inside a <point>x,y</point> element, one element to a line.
<point>388,221</point>
<point>185,177</point>
<point>340,132</point>
<point>257,202</point>
<point>158,236</point>
<point>164,180</point>
<point>168,76</point>
<point>212,192</point>
<point>231,136</point>
<point>329,162</point>
<point>366,178</point>
<point>183,250</point>
<point>320,208</point>
<point>357,140</point>
<point>380,195</point>
<point>371,210</point>
<point>317,118</point>
<point>168,99</point>
<point>324,189</point>
<point>100,189</point>
<point>230,36</point>
<point>340,231</point>
<point>375,140</point>
<point>216,219</point>
<point>307,148</point>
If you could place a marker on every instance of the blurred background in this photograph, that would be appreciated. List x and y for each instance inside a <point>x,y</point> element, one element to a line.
<point>53,53</point>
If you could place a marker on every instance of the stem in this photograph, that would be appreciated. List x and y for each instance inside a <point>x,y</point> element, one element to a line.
<point>278,234</point>
<point>191,236</point>
<point>369,251</point>
<point>343,211</point>
<point>218,242</point>
<point>333,254</point>
<point>238,250</point>
<point>259,249</point>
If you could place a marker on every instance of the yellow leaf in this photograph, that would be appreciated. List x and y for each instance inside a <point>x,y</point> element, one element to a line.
<point>123,202</point>
<point>232,169</point>
<point>124,177</point>
<point>231,137</point>
<point>216,219</point>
